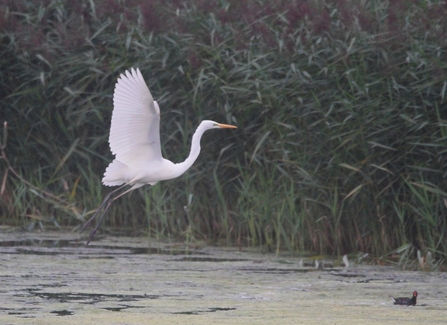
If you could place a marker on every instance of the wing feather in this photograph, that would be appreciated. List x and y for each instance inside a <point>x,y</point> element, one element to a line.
<point>135,129</point>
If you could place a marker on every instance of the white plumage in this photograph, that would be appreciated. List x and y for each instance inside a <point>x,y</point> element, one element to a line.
<point>135,142</point>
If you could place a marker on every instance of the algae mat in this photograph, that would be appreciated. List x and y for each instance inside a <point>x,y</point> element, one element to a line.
<point>52,278</point>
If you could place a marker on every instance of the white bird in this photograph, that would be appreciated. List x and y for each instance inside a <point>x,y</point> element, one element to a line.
<point>135,142</point>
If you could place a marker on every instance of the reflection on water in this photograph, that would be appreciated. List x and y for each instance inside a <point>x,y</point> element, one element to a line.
<point>43,247</point>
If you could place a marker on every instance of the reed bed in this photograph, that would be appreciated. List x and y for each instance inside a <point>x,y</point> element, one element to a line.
<point>341,109</point>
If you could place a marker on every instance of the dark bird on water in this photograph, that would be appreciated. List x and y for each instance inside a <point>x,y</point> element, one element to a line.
<point>406,301</point>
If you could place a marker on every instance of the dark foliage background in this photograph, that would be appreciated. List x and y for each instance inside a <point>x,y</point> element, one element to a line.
<point>341,109</point>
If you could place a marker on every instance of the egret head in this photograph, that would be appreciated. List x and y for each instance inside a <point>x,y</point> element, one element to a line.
<point>214,125</point>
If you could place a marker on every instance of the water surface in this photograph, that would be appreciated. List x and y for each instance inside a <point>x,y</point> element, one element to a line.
<point>53,278</point>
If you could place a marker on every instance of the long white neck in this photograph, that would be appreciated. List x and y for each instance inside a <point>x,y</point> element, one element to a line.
<point>195,149</point>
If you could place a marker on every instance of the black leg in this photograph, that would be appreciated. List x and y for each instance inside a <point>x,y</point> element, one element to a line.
<point>90,237</point>
<point>108,199</point>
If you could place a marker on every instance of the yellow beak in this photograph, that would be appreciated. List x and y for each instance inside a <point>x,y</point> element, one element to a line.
<point>227,126</point>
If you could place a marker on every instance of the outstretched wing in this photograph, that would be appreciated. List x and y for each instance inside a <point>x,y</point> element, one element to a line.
<point>135,129</point>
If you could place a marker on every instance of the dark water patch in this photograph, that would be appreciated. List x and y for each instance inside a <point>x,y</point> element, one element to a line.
<point>37,242</point>
<point>36,252</point>
<point>209,259</point>
<point>213,310</point>
<point>75,246</point>
<point>45,285</point>
<point>19,311</point>
<point>186,313</point>
<point>364,281</point>
<point>89,298</point>
<point>277,270</point>
<point>117,309</point>
<point>209,310</point>
<point>146,250</point>
<point>62,312</point>
<point>40,246</point>
<point>350,275</point>
<point>5,309</point>
<point>95,257</point>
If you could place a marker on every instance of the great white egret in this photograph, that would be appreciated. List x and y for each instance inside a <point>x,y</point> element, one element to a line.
<point>135,141</point>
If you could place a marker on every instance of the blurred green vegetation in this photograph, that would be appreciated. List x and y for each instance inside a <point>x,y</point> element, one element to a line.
<point>341,109</point>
